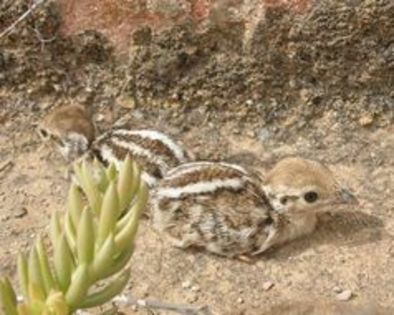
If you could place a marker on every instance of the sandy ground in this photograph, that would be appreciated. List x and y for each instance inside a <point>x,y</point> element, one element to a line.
<point>319,87</point>
<point>353,248</point>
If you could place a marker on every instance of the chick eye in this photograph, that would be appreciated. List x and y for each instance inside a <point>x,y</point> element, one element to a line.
<point>311,196</point>
<point>283,200</point>
<point>43,133</point>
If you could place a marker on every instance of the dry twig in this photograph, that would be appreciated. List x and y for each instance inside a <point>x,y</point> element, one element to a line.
<point>6,164</point>
<point>41,38</point>
<point>21,18</point>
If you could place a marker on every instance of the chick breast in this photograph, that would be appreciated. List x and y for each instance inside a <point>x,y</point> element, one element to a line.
<point>154,151</point>
<point>216,206</point>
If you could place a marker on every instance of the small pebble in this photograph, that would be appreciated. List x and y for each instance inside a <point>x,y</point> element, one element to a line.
<point>5,218</point>
<point>236,131</point>
<point>268,285</point>
<point>20,213</point>
<point>345,295</point>
<point>121,298</point>
<point>186,284</point>
<point>250,134</point>
<point>337,289</point>
<point>240,300</point>
<point>195,288</point>
<point>366,120</point>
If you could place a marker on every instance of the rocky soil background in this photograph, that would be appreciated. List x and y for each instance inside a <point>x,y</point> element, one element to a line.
<point>259,80</point>
<point>261,61</point>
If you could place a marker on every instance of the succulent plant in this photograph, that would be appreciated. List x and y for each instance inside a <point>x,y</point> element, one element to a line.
<point>92,241</point>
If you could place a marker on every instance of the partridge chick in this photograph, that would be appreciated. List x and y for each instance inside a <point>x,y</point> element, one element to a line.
<point>227,211</point>
<point>72,130</point>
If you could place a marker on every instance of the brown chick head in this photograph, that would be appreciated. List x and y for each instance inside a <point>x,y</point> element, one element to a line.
<point>70,129</point>
<point>301,185</point>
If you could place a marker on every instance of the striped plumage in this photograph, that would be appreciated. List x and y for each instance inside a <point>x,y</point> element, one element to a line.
<point>71,129</point>
<point>217,206</point>
<point>226,210</point>
<point>154,151</point>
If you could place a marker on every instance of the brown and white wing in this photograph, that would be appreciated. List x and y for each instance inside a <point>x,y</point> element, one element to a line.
<point>154,151</point>
<point>215,200</point>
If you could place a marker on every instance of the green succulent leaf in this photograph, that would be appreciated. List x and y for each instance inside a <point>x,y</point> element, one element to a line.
<point>109,213</point>
<point>35,275</point>
<point>7,297</point>
<point>111,172</point>
<point>63,263</point>
<point>108,292</point>
<point>7,292</point>
<point>125,184</point>
<point>102,181</point>
<point>90,187</point>
<point>48,278</point>
<point>125,236</point>
<point>119,262</point>
<point>75,204</point>
<point>85,237</point>
<point>104,258</point>
<point>23,275</point>
<point>79,286</point>
<point>70,231</point>
<point>56,304</point>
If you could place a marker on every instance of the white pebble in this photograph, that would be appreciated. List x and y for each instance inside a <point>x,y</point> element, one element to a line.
<point>345,295</point>
<point>337,289</point>
<point>186,284</point>
<point>121,298</point>
<point>195,288</point>
<point>268,285</point>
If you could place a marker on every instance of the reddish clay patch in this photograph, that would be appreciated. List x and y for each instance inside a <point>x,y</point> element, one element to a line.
<point>118,19</point>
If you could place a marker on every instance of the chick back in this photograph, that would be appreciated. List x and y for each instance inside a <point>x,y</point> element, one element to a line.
<point>217,206</point>
<point>154,151</point>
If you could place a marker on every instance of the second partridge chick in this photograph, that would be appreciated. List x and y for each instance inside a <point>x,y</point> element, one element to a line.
<point>72,130</point>
<point>226,210</point>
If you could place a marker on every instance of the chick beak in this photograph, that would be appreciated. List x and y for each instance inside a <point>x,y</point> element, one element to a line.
<point>347,197</point>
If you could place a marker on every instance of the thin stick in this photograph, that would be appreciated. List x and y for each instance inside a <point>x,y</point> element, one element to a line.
<point>6,164</point>
<point>21,18</point>
<point>183,309</point>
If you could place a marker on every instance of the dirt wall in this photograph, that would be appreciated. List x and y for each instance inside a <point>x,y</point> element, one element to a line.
<point>256,60</point>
